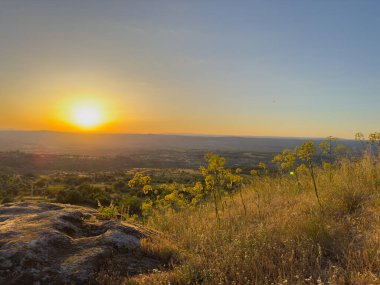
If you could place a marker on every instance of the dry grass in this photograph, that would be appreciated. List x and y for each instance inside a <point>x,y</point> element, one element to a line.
<point>285,238</point>
<point>156,255</point>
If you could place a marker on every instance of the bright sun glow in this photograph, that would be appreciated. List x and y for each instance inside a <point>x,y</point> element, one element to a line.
<point>86,113</point>
<point>87,116</point>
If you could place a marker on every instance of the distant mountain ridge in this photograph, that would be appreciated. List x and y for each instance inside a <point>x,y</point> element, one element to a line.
<point>111,144</point>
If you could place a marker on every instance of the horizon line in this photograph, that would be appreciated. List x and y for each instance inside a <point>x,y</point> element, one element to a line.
<point>168,134</point>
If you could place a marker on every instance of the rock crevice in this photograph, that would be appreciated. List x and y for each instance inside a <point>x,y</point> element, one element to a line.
<point>46,243</point>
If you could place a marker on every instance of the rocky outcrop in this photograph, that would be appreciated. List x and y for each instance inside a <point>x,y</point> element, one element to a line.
<point>44,243</point>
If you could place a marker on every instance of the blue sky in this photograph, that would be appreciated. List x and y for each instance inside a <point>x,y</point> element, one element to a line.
<point>281,68</point>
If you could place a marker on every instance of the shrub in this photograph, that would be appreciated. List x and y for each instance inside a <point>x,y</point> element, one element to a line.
<point>132,205</point>
<point>70,196</point>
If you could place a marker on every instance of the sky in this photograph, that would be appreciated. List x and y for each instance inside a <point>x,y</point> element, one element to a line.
<point>246,68</point>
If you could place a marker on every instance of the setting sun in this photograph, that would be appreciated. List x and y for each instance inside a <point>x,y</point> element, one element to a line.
<point>87,116</point>
<point>86,112</point>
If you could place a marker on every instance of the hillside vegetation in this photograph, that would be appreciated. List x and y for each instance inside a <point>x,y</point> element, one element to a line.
<point>309,224</point>
<point>311,216</point>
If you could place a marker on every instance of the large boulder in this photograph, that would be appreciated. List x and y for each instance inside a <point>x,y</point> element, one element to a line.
<point>44,243</point>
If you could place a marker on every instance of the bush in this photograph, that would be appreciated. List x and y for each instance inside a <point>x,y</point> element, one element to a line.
<point>132,205</point>
<point>284,237</point>
<point>69,196</point>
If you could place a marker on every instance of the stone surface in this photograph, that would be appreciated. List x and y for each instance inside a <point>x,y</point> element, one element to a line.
<point>44,243</point>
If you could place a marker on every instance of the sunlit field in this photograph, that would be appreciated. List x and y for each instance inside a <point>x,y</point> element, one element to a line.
<point>314,219</point>
<point>284,236</point>
<point>310,215</point>
<point>306,215</point>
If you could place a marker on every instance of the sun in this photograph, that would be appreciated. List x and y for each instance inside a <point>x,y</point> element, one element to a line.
<point>86,113</point>
<point>87,116</point>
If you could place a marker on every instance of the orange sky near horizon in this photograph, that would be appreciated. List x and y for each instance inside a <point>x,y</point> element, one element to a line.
<point>118,121</point>
<point>190,67</point>
<point>137,108</point>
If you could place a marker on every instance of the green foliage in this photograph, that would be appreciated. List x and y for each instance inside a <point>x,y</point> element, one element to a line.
<point>84,194</point>
<point>119,185</point>
<point>131,204</point>
<point>147,208</point>
<point>284,238</point>
<point>286,160</point>
<point>218,180</point>
<point>70,196</point>
<point>108,212</point>
<point>342,150</point>
<point>326,146</point>
<point>374,137</point>
<point>262,169</point>
<point>279,236</point>
<point>359,137</point>
<point>218,183</point>
<point>327,150</point>
<point>301,169</point>
<point>306,152</point>
<point>139,180</point>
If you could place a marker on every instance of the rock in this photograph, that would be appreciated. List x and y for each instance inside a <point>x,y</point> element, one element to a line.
<point>5,263</point>
<point>45,243</point>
